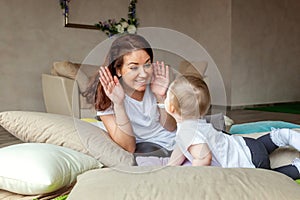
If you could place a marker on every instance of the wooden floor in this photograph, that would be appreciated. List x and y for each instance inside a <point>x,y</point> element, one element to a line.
<point>243,116</point>
<point>7,139</point>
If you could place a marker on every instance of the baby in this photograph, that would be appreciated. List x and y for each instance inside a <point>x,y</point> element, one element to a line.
<point>188,100</point>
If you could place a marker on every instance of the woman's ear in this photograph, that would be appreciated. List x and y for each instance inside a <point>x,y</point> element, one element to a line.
<point>118,73</point>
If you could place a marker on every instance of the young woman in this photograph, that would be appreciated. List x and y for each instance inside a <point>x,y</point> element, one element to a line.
<point>188,100</point>
<point>126,94</point>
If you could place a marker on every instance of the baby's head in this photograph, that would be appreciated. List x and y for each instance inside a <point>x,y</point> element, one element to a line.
<point>187,98</point>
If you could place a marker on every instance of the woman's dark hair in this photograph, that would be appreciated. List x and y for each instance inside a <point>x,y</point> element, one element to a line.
<point>121,46</point>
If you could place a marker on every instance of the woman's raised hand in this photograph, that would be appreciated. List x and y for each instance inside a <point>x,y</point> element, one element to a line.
<point>111,85</point>
<point>160,79</point>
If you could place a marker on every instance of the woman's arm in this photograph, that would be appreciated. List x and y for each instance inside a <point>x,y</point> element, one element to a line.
<point>167,121</point>
<point>117,125</point>
<point>201,154</point>
<point>159,86</point>
<point>177,157</point>
<point>119,128</point>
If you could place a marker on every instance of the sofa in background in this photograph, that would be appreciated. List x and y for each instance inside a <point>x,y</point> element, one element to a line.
<point>62,89</point>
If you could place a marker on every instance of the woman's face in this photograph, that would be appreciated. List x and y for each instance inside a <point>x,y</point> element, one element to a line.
<point>136,71</point>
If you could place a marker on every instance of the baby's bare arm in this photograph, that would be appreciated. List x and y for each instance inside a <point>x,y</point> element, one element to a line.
<point>176,158</point>
<point>201,154</point>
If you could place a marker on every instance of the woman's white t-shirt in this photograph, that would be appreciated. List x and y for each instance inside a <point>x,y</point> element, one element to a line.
<point>227,150</point>
<point>144,117</point>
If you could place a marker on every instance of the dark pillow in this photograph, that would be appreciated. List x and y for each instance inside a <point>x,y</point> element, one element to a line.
<point>217,120</point>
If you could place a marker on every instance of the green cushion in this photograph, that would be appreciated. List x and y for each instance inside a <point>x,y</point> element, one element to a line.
<point>260,126</point>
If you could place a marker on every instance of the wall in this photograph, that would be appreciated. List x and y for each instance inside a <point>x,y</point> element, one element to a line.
<point>33,37</point>
<point>255,44</point>
<point>265,51</point>
<point>206,21</point>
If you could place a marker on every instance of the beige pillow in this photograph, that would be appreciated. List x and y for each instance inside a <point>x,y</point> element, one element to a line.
<point>65,131</point>
<point>65,68</point>
<point>193,68</point>
<point>184,182</point>
<point>79,72</point>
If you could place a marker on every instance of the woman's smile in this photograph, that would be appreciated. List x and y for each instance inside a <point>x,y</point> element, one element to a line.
<point>136,71</point>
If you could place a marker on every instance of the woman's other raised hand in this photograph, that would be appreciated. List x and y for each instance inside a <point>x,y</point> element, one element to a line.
<point>160,79</point>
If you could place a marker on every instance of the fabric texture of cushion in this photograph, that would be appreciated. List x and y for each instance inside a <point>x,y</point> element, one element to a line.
<point>65,68</point>
<point>260,126</point>
<point>38,168</point>
<point>184,182</point>
<point>65,131</point>
<point>42,128</point>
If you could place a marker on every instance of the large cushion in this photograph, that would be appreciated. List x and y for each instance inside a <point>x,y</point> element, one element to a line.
<point>43,128</point>
<point>184,182</point>
<point>196,68</point>
<point>260,126</point>
<point>38,168</point>
<point>65,131</point>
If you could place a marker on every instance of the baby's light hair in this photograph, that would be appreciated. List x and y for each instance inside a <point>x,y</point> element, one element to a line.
<point>190,96</point>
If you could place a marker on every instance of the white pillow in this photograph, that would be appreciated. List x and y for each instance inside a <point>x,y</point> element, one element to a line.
<point>38,168</point>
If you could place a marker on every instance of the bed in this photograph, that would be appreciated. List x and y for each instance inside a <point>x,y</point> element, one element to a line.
<point>111,173</point>
<point>80,161</point>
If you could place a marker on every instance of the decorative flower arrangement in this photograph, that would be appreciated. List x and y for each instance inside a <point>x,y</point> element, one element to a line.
<point>112,27</point>
<point>64,5</point>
